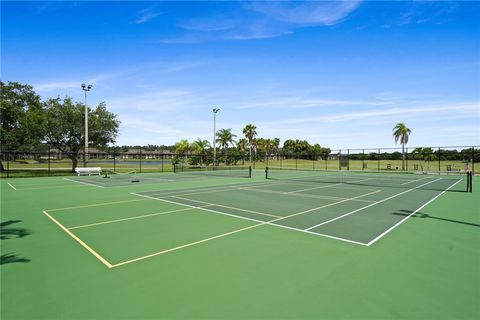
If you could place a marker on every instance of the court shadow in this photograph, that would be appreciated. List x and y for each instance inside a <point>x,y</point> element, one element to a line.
<point>406,213</point>
<point>12,258</point>
<point>6,232</point>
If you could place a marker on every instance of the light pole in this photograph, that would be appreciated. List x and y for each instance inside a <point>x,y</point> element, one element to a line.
<point>215,110</point>
<point>86,88</point>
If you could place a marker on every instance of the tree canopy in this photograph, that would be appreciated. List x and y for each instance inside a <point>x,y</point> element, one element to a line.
<point>27,122</point>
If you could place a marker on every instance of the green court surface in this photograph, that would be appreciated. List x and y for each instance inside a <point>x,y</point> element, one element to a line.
<point>298,245</point>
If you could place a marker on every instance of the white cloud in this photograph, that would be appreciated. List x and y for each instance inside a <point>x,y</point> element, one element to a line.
<point>307,13</point>
<point>146,15</point>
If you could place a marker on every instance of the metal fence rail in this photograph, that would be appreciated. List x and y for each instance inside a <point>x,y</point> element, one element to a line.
<point>52,162</point>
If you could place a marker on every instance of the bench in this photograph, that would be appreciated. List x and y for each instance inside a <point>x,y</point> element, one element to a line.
<point>88,171</point>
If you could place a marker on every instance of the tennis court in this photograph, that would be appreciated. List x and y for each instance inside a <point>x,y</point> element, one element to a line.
<point>186,229</point>
<point>358,208</point>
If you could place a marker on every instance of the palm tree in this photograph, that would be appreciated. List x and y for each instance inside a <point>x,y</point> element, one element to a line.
<point>199,146</point>
<point>182,147</point>
<point>242,147</point>
<point>401,132</point>
<point>250,132</point>
<point>276,146</point>
<point>225,137</point>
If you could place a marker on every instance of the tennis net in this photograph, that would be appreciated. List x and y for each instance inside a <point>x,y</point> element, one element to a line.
<point>439,180</point>
<point>222,171</point>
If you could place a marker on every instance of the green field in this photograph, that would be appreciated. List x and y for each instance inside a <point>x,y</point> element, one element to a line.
<point>192,246</point>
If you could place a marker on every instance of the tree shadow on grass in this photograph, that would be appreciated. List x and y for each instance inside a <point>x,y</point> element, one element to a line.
<point>7,232</point>
<point>11,258</point>
<point>406,213</point>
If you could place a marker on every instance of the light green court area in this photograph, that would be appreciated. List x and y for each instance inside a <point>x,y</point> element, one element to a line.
<point>186,246</point>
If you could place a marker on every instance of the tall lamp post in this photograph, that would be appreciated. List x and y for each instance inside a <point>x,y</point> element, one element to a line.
<point>86,88</point>
<point>215,110</point>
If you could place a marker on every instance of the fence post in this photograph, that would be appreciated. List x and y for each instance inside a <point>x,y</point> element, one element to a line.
<point>49,162</point>
<point>439,167</point>
<point>378,160</point>
<point>406,160</point>
<point>8,165</point>
<point>163,159</point>
<point>339,161</point>
<point>473,160</point>
<point>348,159</point>
<point>363,159</point>
<point>140,161</point>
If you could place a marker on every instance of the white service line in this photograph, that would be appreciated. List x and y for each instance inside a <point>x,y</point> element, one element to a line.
<point>408,182</point>
<point>85,183</point>
<point>411,214</point>
<point>12,186</point>
<point>271,222</point>
<point>130,218</point>
<point>368,206</point>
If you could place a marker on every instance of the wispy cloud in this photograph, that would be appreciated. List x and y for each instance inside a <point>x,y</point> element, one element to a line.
<point>470,109</point>
<point>301,13</point>
<point>146,15</point>
<point>261,20</point>
<point>69,84</point>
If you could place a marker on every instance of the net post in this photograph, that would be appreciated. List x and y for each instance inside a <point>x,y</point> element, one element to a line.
<point>174,167</point>
<point>266,172</point>
<point>250,171</point>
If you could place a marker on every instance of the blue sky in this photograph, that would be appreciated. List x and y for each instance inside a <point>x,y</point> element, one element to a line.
<point>340,73</point>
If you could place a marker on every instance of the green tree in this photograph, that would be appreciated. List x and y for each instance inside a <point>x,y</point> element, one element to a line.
<point>199,147</point>
<point>225,138</point>
<point>64,126</point>
<point>21,120</point>
<point>250,131</point>
<point>425,154</point>
<point>401,132</point>
<point>242,145</point>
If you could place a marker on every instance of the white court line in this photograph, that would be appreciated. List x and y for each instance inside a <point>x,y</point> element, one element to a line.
<point>202,190</point>
<point>411,214</point>
<point>222,206</point>
<point>195,207</point>
<point>261,223</point>
<point>186,245</point>
<point>306,195</point>
<point>99,257</point>
<point>408,182</point>
<point>95,205</point>
<point>131,218</point>
<point>271,222</point>
<point>85,183</point>
<point>368,206</point>
<point>328,186</point>
<point>313,188</point>
<point>12,186</point>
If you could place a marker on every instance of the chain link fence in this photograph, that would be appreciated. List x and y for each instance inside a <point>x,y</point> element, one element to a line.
<point>52,162</point>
